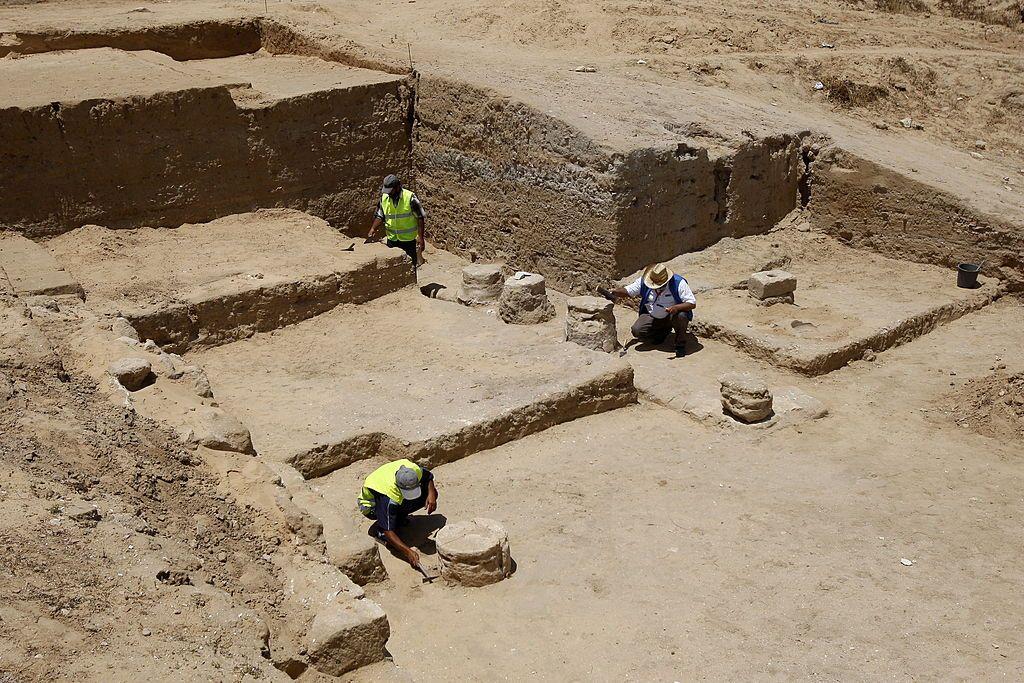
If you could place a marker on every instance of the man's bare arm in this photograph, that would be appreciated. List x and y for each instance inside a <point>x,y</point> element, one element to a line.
<point>373,229</point>
<point>404,551</point>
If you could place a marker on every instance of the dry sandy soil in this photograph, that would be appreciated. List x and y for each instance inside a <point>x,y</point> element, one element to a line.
<point>653,541</point>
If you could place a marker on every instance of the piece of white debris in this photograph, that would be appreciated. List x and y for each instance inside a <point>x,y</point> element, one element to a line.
<point>906,563</point>
<point>641,61</point>
<point>586,69</point>
<point>818,85</point>
<point>828,46</point>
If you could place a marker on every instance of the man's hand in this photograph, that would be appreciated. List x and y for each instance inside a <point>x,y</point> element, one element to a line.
<point>413,558</point>
<point>431,502</point>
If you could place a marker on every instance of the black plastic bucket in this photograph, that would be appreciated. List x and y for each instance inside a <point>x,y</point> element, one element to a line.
<point>967,275</point>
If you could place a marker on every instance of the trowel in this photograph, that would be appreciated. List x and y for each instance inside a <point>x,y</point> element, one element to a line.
<point>350,247</point>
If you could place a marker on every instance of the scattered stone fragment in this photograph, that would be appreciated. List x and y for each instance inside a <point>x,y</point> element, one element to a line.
<point>524,300</point>
<point>976,155</point>
<point>174,577</point>
<point>980,144</point>
<point>869,356</point>
<point>481,284</point>
<point>818,85</point>
<point>217,430</point>
<point>771,283</point>
<point>131,373</point>
<point>201,385</point>
<point>881,125</point>
<point>745,397</point>
<point>146,632</point>
<point>828,46</point>
<point>474,553</point>
<point>122,328</point>
<point>906,563</point>
<point>586,69</point>
<point>590,322</point>
<point>83,513</point>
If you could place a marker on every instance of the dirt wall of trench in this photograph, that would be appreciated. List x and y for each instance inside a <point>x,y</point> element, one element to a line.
<point>506,182</point>
<point>509,183</point>
<point>193,155</point>
<point>868,206</point>
<point>677,200</point>
<point>187,40</point>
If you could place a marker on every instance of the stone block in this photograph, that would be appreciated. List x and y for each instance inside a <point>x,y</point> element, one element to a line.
<point>771,283</point>
<point>474,553</point>
<point>524,300</point>
<point>347,634</point>
<point>745,397</point>
<point>590,322</point>
<point>131,373</point>
<point>481,284</point>
<point>219,431</point>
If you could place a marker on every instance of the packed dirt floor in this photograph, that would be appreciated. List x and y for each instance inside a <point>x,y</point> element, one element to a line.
<point>201,359</point>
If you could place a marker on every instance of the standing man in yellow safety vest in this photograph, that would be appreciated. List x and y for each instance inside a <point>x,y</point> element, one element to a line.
<point>389,494</point>
<point>403,218</point>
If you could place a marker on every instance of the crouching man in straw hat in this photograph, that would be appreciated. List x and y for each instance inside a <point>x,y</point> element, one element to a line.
<point>666,304</point>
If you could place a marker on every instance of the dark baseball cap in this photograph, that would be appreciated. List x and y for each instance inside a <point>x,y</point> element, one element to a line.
<point>390,183</point>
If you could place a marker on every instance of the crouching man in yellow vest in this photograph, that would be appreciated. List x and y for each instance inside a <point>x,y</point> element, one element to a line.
<point>389,494</point>
<point>402,215</point>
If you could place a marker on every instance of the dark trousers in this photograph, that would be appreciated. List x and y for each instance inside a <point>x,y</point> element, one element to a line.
<point>409,247</point>
<point>650,329</point>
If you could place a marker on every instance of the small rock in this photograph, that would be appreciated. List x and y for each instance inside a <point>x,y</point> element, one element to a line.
<point>174,577</point>
<point>881,125</point>
<point>132,373</point>
<point>217,430</point>
<point>641,61</point>
<point>902,87</point>
<point>868,356</point>
<point>122,328</point>
<point>82,513</point>
<point>907,122</point>
<point>586,69</point>
<point>818,85</point>
<point>828,46</point>
<point>146,632</point>
<point>906,563</point>
<point>980,144</point>
<point>201,385</point>
<point>976,155</point>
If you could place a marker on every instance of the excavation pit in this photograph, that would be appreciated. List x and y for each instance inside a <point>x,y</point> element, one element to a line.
<point>207,284</point>
<point>849,302</point>
<point>405,376</point>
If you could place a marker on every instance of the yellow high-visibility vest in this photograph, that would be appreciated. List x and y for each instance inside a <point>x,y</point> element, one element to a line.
<point>382,480</point>
<point>399,222</point>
